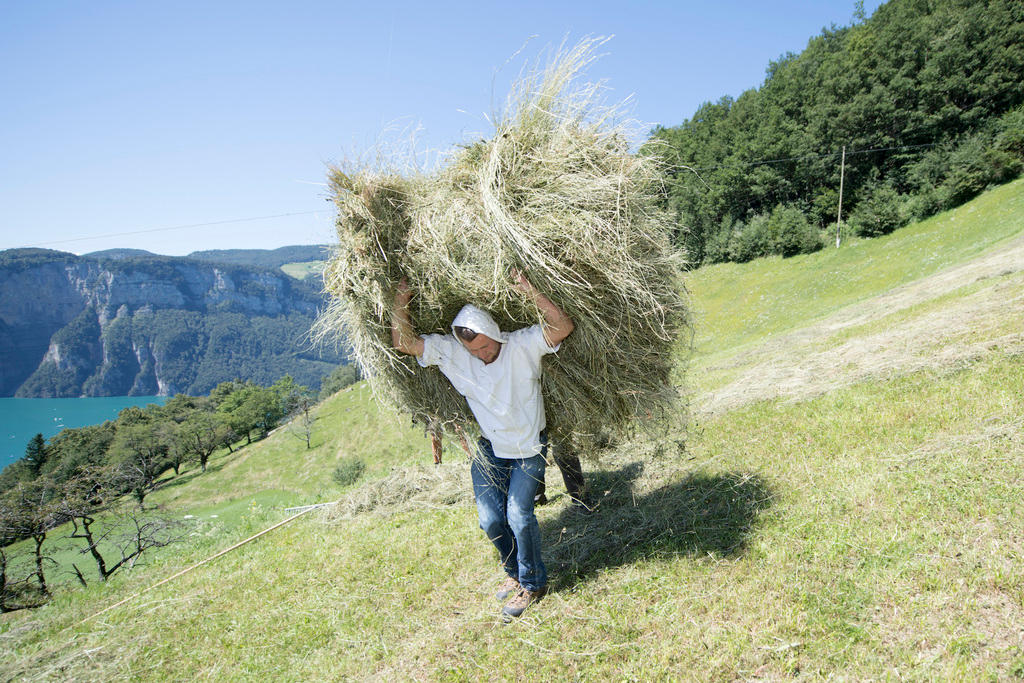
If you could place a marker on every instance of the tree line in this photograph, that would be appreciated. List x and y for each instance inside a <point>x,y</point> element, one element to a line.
<point>925,97</point>
<point>96,478</point>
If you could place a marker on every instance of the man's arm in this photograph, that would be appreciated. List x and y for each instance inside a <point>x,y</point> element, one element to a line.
<point>403,336</point>
<point>557,325</point>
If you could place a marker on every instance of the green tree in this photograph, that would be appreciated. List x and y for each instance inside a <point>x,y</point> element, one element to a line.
<point>17,593</point>
<point>341,377</point>
<point>29,511</point>
<point>791,232</point>
<point>268,406</point>
<point>125,533</point>
<point>180,406</point>
<point>303,419</point>
<point>8,535</point>
<point>172,417</point>
<point>752,240</point>
<point>236,411</point>
<point>35,454</point>
<point>140,452</point>
<point>914,78</point>
<point>168,431</point>
<point>877,214</point>
<point>289,393</point>
<point>223,390</point>
<point>74,450</point>
<point>252,408</point>
<point>201,434</point>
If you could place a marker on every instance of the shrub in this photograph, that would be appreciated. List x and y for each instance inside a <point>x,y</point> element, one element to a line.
<point>878,213</point>
<point>791,232</point>
<point>919,206</point>
<point>751,241</point>
<point>786,231</point>
<point>1010,133</point>
<point>716,248</point>
<point>974,167</point>
<point>348,472</point>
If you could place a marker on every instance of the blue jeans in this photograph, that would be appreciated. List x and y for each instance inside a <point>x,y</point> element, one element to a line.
<point>504,490</point>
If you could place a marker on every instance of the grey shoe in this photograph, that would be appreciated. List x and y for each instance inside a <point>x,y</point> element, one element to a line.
<point>523,599</point>
<point>510,586</point>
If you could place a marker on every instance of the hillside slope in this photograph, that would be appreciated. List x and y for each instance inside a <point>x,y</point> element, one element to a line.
<point>937,294</point>
<point>846,503</point>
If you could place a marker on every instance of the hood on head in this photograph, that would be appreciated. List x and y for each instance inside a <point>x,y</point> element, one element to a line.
<point>480,321</point>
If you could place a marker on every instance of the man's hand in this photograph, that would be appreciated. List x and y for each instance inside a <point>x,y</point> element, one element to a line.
<point>520,282</point>
<point>557,325</point>
<point>403,336</point>
<point>403,295</point>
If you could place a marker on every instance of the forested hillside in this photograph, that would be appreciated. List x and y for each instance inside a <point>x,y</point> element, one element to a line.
<point>924,96</point>
<point>268,258</point>
<point>133,323</point>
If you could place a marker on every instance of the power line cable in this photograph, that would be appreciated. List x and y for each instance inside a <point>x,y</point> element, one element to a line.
<point>762,162</point>
<point>814,156</point>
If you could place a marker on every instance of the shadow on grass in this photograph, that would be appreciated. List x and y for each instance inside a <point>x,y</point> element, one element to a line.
<point>216,463</point>
<point>173,481</point>
<point>701,515</point>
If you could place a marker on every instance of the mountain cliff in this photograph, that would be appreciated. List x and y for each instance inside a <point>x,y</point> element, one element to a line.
<point>133,323</point>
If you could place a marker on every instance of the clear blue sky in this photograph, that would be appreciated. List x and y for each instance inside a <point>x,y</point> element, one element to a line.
<point>120,117</point>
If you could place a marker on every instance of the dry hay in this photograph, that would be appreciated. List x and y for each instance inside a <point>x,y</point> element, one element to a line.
<point>407,488</point>
<point>555,192</point>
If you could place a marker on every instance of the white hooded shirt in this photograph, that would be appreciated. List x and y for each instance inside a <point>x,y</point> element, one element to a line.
<point>504,395</point>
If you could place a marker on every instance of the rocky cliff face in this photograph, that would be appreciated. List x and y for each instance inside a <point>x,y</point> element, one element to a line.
<point>74,326</point>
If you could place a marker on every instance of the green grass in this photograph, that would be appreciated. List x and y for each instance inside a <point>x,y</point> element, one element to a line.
<point>741,304</point>
<point>303,269</point>
<point>870,532</point>
<point>350,423</point>
<point>256,483</point>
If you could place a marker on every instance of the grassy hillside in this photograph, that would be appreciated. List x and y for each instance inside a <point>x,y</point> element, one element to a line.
<point>845,502</point>
<point>304,269</point>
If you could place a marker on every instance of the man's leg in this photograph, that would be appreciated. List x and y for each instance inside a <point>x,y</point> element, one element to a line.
<point>490,489</point>
<point>533,578</point>
<point>435,446</point>
<point>572,474</point>
<point>568,462</point>
<point>540,498</point>
<point>525,476</point>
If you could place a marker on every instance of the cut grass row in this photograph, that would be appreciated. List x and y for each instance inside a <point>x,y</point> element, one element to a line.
<point>741,304</point>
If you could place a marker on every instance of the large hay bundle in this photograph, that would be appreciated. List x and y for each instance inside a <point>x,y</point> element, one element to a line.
<point>556,193</point>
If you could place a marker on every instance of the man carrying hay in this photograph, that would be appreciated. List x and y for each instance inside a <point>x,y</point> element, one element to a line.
<point>499,374</point>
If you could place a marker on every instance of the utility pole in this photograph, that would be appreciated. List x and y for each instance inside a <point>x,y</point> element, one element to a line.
<point>839,214</point>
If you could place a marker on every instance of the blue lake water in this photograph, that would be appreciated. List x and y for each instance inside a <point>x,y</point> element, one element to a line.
<point>23,418</point>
